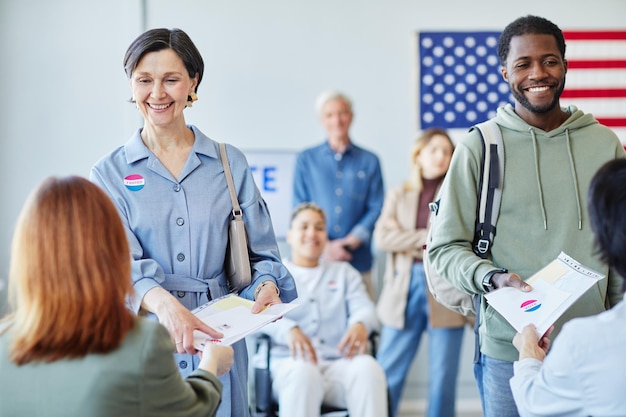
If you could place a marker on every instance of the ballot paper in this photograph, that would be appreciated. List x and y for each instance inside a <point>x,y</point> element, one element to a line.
<point>555,288</point>
<point>232,315</point>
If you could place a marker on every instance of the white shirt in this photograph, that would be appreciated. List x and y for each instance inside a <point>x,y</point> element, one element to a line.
<point>332,297</point>
<point>584,373</point>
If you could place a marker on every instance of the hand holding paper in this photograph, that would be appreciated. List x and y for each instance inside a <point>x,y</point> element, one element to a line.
<point>532,345</point>
<point>521,308</point>
<point>555,288</point>
<point>232,315</point>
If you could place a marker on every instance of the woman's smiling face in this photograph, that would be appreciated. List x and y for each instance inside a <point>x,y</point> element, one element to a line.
<point>160,85</point>
<point>307,237</point>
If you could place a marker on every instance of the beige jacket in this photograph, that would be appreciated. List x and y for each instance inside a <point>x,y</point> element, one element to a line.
<point>395,233</point>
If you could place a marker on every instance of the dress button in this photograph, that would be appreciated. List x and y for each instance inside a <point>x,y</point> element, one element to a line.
<point>180,221</point>
<point>177,187</point>
<point>180,257</point>
<point>182,364</point>
<point>180,294</point>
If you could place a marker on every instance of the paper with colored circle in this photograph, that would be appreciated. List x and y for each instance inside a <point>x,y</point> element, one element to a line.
<point>232,315</point>
<point>555,288</point>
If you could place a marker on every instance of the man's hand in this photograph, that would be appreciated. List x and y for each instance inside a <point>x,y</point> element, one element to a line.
<point>337,250</point>
<point>509,279</point>
<point>341,249</point>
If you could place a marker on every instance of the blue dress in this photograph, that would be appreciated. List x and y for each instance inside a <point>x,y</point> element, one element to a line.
<point>178,231</point>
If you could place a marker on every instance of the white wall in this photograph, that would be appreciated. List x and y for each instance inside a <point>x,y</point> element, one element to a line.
<point>65,94</point>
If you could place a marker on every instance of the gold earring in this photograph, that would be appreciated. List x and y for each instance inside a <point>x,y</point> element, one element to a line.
<point>191,98</point>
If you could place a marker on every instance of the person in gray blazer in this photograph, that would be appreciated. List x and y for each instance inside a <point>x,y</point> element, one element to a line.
<point>70,346</point>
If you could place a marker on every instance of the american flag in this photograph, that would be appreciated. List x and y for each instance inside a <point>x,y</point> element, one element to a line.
<point>461,85</point>
<point>460,81</point>
<point>596,76</point>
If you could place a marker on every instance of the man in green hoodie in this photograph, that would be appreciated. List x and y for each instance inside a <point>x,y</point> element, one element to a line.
<point>551,153</point>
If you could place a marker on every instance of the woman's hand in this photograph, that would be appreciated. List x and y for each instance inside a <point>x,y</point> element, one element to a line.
<point>266,296</point>
<point>300,346</point>
<point>530,345</point>
<point>179,322</point>
<point>354,341</point>
<point>216,359</point>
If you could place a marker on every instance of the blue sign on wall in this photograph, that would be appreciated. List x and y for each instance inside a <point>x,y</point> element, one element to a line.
<point>273,174</point>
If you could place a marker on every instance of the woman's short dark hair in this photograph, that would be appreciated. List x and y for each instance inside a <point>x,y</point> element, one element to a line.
<point>528,25</point>
<point>155,40</point>
<point>607,205</point>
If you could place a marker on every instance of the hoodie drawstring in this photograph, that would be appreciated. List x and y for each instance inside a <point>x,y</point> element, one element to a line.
<point>572,168</point>
<point>543,208</point>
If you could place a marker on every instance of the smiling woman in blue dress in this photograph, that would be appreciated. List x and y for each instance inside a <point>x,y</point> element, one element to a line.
<point>169,187</point>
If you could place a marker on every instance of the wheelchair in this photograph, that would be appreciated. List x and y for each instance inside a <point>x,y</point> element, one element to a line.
<point>264,404</point>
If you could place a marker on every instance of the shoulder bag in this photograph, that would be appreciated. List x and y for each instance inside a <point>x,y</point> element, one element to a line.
<point>237,260</point>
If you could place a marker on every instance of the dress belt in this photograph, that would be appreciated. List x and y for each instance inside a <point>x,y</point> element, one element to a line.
<point>214,287</point>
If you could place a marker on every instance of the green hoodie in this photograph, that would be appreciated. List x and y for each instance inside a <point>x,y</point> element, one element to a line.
<point>543,212</point>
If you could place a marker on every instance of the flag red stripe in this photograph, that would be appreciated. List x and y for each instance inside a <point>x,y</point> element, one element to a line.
<point>606,35</point>
<point>612,121</point>
<point>594,93</point>
<point>596,64</point>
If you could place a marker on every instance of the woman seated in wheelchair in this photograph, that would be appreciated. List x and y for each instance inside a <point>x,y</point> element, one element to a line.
<point>318,353</point>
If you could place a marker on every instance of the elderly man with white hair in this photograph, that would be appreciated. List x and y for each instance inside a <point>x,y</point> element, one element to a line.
<point>345,180</point>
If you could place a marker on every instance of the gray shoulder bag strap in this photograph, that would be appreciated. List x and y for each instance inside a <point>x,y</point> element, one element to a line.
<point>237,259</point>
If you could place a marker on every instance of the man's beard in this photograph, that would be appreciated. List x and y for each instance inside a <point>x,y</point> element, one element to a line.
<point>523,100</point>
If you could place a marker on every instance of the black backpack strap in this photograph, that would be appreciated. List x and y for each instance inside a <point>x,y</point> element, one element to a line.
<point>488,208</point>
<point>490,194</point>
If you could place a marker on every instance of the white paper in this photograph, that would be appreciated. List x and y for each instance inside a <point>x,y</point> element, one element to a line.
<point>555,288</point>
<point>232,315</point>
<point>521,308</point>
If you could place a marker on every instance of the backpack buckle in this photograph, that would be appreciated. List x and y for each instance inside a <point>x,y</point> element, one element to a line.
<point>482,246</point>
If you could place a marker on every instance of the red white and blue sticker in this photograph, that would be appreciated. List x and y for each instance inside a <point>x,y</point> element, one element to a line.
<point>134,182</point>
<point>530,305</point>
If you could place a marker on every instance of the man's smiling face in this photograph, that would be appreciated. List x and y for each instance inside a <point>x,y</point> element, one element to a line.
<point>535,71</point>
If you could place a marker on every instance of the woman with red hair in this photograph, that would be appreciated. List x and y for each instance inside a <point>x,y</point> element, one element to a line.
<point>66,347</point>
